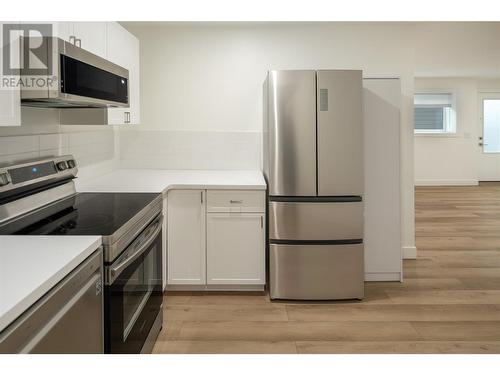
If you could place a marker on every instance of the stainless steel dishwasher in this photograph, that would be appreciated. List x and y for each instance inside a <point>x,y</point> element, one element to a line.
<point>68,319</point>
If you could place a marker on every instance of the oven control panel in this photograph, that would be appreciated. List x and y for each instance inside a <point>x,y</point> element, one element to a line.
<point>35,171</point>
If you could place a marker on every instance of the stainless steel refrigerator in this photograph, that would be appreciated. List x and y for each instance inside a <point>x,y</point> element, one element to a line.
<point>313,163</point>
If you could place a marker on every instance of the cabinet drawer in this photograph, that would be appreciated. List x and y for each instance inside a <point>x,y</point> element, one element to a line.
<point>236,201</point>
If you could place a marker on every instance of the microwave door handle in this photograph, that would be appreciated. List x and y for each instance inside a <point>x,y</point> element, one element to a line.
<point>116,270</point>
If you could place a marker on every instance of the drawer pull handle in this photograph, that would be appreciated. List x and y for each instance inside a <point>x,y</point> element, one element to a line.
<point>235,201</point>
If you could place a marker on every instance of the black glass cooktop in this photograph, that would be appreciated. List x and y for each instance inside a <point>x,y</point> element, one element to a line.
<point>83,214</point>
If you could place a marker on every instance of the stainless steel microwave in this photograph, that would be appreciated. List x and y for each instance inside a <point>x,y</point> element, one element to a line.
<point>70,77</point>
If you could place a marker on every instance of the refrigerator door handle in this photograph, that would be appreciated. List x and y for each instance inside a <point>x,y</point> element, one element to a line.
<point>323,99</point>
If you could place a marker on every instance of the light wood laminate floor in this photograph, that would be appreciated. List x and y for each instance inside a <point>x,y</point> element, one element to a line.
<point>448,303</point>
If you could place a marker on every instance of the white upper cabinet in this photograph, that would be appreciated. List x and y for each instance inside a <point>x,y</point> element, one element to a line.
<point>123,50</point>
<point>63,30</point>
<point>91,36</point>
<point>10,97</point>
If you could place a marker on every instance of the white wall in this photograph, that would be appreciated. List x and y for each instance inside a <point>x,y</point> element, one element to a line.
<point>449,159</point>
<point>457,49</point>
<point>452,159</point>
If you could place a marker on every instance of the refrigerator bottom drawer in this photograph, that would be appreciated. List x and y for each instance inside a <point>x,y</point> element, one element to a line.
<point>316,272</point>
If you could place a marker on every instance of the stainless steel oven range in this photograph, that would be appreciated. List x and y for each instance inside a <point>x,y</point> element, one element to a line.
<point>39,198</point>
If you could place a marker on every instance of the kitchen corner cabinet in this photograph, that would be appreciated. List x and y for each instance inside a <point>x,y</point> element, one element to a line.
<point>123,50</point>
<point>216,239</point>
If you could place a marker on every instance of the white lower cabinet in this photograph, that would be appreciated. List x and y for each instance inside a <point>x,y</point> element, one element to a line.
<point>215,250</point>
<point>186,237</point>
<point>235,248</point>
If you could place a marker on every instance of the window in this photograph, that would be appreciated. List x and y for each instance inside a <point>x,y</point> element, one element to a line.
<point>434,113</point>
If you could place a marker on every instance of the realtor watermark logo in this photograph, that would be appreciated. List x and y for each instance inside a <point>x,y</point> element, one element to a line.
<point>27,56</point>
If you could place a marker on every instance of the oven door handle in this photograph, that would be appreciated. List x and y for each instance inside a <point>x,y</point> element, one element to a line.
<point>116,270</point>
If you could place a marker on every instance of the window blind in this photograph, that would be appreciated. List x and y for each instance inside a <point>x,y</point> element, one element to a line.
<point>429,118</point>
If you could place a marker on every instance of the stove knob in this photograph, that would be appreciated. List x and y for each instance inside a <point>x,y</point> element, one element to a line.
<point>3,179</point>
<point>61,166</point>
<point>71,164</point>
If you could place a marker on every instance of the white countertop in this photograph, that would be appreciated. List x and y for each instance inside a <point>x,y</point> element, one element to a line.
<point>162,180</point>
<point>31,265</point>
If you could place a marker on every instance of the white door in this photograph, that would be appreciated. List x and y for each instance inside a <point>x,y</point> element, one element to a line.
<point>489,137</point>
<point>235,248</point>
<point>91,36</point>
<point>186,237</point>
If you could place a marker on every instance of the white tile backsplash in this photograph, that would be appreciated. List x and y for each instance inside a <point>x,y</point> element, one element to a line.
<point>88,147</point>
<point>14,158</point>
<point>18,144</point>
<point>139,148</point>
<point>54,141</point>
<point>189,149</point>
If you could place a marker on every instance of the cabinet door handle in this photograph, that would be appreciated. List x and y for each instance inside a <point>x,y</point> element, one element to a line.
<point>78,43</point>
<point>235,201</point>
<point>201,197</point>
<point>261,222</point>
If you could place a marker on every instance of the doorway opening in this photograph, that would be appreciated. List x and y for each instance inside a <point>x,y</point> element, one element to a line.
<point>489,137</point>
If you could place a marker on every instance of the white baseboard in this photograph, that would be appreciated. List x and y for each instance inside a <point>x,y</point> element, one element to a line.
<point>409,252</point>
<point>382,276</point>
<point>446,182</point>
<point>236,288</point>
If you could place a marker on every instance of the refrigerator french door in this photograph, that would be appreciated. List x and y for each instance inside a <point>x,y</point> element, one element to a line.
<point>313,163</point>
